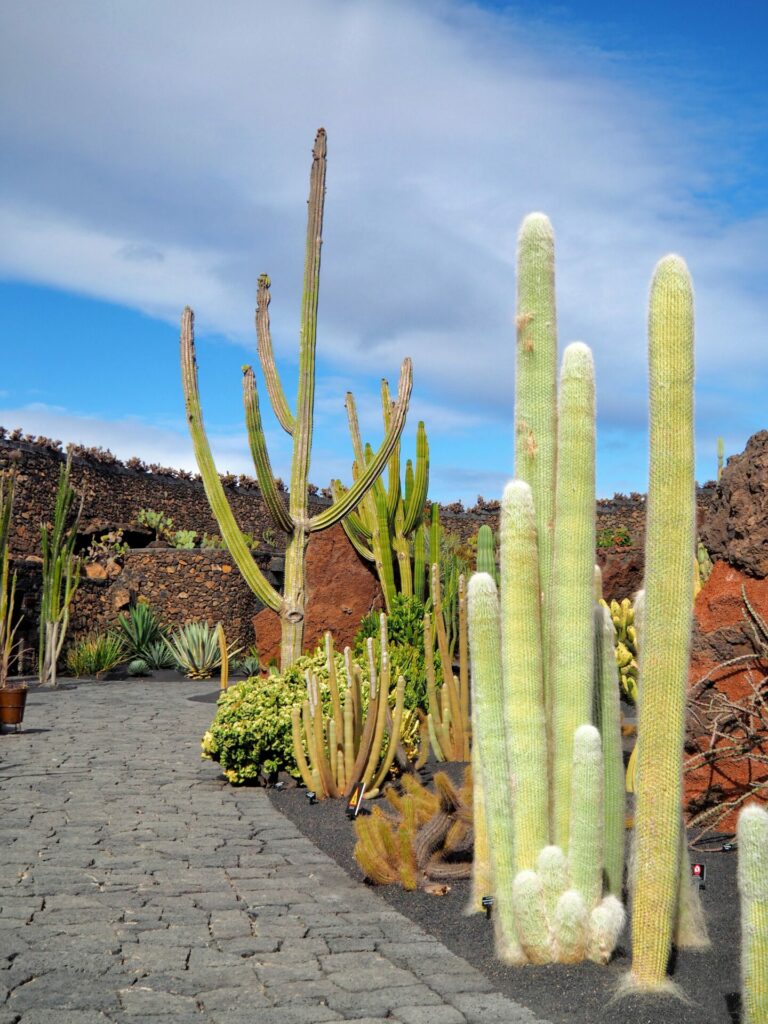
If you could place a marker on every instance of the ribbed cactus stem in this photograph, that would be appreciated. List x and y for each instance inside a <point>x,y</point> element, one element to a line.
<point>753,890</point>
<point>585,853</point>
<point>488,695</point>
<point>666,627</point>
<point>571,642</point>
<point>523,672</point>
<point>552,868</point>
<point>481,855</point>
<point>608,720</point>
<point>536,386</point>
<point>486,559</point>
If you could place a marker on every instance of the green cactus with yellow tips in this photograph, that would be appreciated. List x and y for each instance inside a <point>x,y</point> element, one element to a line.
<point>294,518</point>
<point>623,619</point>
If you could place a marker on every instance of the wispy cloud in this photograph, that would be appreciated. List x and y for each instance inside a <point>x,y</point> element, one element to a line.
<point>157,154</point>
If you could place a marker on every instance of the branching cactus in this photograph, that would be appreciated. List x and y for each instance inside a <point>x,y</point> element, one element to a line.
<point>388,519</point>
<point>449,718</point>
<point>294,518</point>
<point>753,889</point>
<point>337,753</point>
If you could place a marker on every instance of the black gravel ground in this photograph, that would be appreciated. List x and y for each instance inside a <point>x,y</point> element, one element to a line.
<point>579,994</point>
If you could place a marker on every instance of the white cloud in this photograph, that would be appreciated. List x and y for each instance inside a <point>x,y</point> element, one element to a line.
<point>157,155</point>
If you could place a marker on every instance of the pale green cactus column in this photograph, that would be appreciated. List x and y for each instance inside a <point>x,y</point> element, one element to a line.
<point>536,387</point>
<point>491,740</point>
<point>752,833</point>
<point>571,621</point>
<point>664,653</point>
<point>523,671</point>
<point>608,721</point>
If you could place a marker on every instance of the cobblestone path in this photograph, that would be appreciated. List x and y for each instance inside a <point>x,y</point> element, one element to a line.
<point>136,887</point>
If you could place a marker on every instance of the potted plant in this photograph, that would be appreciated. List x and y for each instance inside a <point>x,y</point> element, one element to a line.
<point>12,698</point>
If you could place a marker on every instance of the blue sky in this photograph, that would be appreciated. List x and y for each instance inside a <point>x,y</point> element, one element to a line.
<point>157,154</point>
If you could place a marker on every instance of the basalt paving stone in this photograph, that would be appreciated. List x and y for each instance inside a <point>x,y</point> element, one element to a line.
<point>137,887</point>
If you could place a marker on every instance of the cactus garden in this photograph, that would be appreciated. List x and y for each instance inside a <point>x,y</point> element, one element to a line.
<point>296,728</point>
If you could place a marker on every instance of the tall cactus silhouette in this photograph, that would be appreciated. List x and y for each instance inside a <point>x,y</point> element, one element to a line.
<point>664,652</point>
<point>752,833</point>
<point>293,519</point>
<point>388,518</point>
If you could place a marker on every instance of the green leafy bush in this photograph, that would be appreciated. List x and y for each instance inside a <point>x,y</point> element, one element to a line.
<point>95,654</point>
<point>184,540</point>
<point>614,536</point>
<point>251,733</point>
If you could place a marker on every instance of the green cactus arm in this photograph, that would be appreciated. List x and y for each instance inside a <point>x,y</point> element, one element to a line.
<point>354,527</point>
<point>394,492</point>
<point>258,445</point>
<point>382,547</point>
<point>523,672</point>
<point>368,476</point>
<point>666,621</point>
<point>570,675</point>
<point>490,737</point>
<point>230,531</point>
<point>416,499</point>
<point>305,399</point>
<point>536,386</point>
<point>434,539</point>
<point>402,550</point>
<point>419,563</point>
<point>608,720</point>
<point>267,357</point>
<point>752,830</point>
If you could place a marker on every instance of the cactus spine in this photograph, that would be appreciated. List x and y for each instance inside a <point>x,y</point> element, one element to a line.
<point>572,593</point>
<point>753,889</point>
<point>295,519</point>
<point>670,536</point>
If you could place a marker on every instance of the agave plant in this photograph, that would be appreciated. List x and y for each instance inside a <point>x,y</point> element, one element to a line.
<point>195,649</point>
<point>142,635</point>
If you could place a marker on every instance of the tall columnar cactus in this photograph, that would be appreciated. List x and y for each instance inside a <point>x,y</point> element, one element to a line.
<point>666,627</point>
<point>536,387</point>
<point>608,720</point>
<point>552,766</point>
<point>293,519</point>
<point>752,834</point>
<point>7,578</point>
<point>720,456</point>
<point>388,519</point>
<point>571,637</point>
<point>523,673</point>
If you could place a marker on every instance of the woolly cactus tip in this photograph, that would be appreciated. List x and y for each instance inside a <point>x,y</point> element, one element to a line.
<point>536,226</point>
<point>586,740</point>
<point>481,586</point>
<point>752,834</point>
<point>550,857</point>
<point>519,494</point>
<point>672,264</point>
<point>577,360</point>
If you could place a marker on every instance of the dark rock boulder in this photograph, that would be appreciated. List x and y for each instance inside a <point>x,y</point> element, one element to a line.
<point>736,526</point>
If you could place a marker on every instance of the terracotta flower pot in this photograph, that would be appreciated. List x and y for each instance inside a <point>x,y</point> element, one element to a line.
<point>12,702</point>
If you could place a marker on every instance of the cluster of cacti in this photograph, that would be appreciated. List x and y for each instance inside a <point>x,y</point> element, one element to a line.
<point>448,719</point>
<point>387,520</point>
<point>623,618</point>
<point>429,840</point>
<point>294,518</point>
<point>60,574</point>
<point>338,752</point>
<point>752,835</point>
